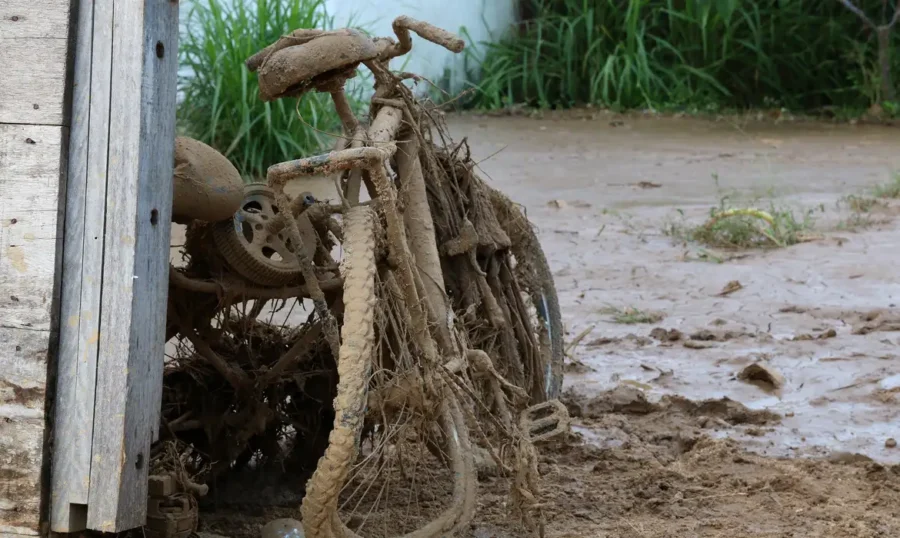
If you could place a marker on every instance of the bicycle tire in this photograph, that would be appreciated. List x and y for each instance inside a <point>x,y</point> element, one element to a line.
<point>354,363</point>
<point>534,270</point>
<point>232,247</point>
<point>460,513</point>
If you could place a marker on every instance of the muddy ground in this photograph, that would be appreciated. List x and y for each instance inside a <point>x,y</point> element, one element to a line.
<point>667,439</point>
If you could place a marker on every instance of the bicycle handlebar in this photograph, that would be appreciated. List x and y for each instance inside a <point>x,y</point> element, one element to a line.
<point>386,47</point>
<point>403,24</point>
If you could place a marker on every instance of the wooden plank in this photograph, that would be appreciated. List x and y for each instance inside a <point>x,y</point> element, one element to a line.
<point>135,278</point>
<point>27,19</point>
<point>33,86</point>
<point>29,220</point>
<point>29,186</point>
<point>34,38</point>
<point>33,52</point>
<point>31,169</point>
<point>23,361</point>
<point>83,260</point>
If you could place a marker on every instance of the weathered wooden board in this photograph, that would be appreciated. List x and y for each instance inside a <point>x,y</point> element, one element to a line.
<point>83,267</point>
<point>136,245</point>
<point>30,19</point>
<point>34,39</point>
<point>29,185</point>
<point>22,429</point>
<point>117,237</point>
<point>35,56</point>
<point>31,179</point>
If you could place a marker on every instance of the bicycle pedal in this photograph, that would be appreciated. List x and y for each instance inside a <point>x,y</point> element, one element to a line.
<point>174,516</point>
<point>544,420</point>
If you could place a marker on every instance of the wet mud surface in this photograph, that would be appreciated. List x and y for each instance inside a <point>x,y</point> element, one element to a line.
<point>670,437</point>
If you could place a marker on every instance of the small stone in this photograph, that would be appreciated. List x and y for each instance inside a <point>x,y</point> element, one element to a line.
<point>558,204</point>
<point>762,375</point>
<point>283,528</point>
<point>890,443</point>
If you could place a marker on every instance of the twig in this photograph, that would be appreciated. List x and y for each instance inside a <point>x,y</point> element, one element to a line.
<point>490,156</point>
<point>396,103</point>
<point>861,14</point>
<point>320,131</point>
<point>459,96</point>
<point>180,280</point>
<point>292,357</point>
<point>577,340</point>
<point>406,76</point>
<point>858,12</point>
<point>635,529</point>
<point>236,378</point>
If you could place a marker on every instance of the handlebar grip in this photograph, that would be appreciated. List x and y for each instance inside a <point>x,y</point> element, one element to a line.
<point>403,24</point>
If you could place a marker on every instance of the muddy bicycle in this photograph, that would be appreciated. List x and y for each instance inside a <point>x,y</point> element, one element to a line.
<point>433,334</point>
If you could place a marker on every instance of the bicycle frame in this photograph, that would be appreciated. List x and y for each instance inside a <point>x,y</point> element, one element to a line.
<point>412,242</point>
<point>390,157</point>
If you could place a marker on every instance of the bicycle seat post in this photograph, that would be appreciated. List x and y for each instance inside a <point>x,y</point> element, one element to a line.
<point>344,111</point>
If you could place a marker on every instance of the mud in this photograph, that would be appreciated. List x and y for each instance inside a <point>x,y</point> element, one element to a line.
<point>683,459</point>
<point>326,60</point>
<point>635,469</point>
<point>206,185</point>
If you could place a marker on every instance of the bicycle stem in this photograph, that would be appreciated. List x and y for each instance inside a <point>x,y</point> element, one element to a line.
<point>345,112</point>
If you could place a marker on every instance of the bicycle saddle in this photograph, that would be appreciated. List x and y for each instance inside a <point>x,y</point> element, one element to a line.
<point>310,59</point>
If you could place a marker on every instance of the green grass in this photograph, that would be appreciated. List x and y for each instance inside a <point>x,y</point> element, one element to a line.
<point>856,222</point>
<point>863,206</point>
<point>631,316</point>
<point>693,55</point>
<point>739,223</point>
<point>860,204</point>
<point>889,189</point>
<point>220,103</point>
<point>860,217</point>
<point>749,231</point>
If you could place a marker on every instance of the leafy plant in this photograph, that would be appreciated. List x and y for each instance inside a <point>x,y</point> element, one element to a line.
<point>684,54</point>
<point>737,223</point>
<point>219,96</point>
<point>749,228</point>
<point>630,315</point>
<point>883,32</point>
<point>888,189</point>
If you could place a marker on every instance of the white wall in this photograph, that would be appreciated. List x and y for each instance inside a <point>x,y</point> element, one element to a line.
<point>482,19</point>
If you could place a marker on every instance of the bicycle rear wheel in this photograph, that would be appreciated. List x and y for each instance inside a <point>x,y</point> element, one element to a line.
<point>534,275</point>
<point>498,278</point>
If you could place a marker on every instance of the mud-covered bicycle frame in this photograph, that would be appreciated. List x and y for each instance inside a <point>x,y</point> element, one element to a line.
<point>412,253</point>
<point>361,157</point>
<point>424,291</point>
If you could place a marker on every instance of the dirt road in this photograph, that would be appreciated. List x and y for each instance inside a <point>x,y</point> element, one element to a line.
<point>670,442</point>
